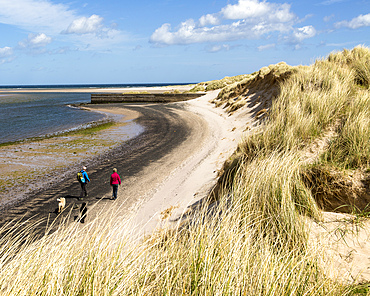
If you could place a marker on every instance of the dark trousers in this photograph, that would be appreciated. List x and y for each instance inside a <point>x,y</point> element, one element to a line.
<point>83,190</point>
<point>115,189</point>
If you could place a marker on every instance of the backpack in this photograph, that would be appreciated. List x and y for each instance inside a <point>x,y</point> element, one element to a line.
<point>80,177</point>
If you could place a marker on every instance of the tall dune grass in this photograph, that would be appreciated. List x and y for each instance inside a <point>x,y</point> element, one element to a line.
<point>351,148</point>
<point>220,251</point>
<point>326,95</point>
<point>310,101</point>
<point>73,260</point>
<point>252,241</point>
<point>218,84</point>
<point>358,59</point>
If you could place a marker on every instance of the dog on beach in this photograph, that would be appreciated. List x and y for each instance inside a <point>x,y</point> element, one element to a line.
<point>61,204</point>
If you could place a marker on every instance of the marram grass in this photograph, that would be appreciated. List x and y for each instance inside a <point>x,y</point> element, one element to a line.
<point>351,149</point>
<point>220,251</point>
<point>251,241</point>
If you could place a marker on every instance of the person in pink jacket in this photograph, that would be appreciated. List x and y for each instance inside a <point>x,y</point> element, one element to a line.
<point>115,181</point>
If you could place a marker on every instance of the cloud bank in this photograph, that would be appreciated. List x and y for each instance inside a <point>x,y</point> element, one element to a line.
<point>248,19</point>
<point>355,23</point>
<point>46,21</point>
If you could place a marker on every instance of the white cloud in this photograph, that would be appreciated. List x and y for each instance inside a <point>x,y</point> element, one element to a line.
<point>85,25</point>
<point>36,15</point>
<point>355,23</point>
<point>35,41</point>
<point>217,48</point>
<point>250,19</point>
<point>3,61</point>
<point>6,51</point>
<point>189,33</point>
<point>39,40</point>
<point>245,9</point>
<point>6,55</point>
<point>328,18</point>
<point>52,19</point>
<point>254,9</point>
<point>266,47</point>
<point>303,33</point>
<point>330,2</point>
<point>208,19</point>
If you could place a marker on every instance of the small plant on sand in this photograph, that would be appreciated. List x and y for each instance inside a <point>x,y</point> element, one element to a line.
<point>197,88</point>
<point>136,93</point>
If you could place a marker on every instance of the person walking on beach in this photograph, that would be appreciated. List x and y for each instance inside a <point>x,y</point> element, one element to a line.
<point>115,181</point>
<point>83,179</point>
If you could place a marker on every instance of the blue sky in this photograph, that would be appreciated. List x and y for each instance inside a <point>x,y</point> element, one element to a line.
<point>169,41</point>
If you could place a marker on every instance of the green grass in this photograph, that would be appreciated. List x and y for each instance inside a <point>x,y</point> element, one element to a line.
<point>217,84</point>
<point>68,148</point>
<point>251,238</point>
<point>93,128</point>
<point>220,254</point>
<point>351,148</point>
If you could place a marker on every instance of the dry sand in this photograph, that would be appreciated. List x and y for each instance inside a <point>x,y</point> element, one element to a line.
<point>343,238</point>
<point>165,189</point>
<point>169,184</point>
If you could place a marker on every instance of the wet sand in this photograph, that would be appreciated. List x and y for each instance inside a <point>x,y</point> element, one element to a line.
<point>130,159</point>
<point>171,165</point>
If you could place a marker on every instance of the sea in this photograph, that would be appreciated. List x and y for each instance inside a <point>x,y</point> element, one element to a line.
<point>26,115</point>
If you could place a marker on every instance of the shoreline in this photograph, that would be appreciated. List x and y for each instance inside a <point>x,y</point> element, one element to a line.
<point>127,116</point>
<point>61,133</point>
<point>130,157</point>
<point>81,106</point>
<point>107,117</point>
<point>33,157</point>
<point>17,153</point>
<point>172,164</point>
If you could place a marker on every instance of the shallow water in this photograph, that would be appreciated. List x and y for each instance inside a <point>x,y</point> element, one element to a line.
<point>26,115</point>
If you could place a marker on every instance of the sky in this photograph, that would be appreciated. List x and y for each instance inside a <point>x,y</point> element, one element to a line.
<point>169,41</point>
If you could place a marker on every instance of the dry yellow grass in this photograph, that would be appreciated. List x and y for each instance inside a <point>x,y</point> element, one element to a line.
<point>253,239</point>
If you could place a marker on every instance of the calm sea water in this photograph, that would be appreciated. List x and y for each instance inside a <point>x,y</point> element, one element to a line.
<point>37,114</point>
<point>26,115</point>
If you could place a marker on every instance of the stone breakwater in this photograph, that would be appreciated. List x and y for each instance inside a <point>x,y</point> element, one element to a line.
<point>144,98</point>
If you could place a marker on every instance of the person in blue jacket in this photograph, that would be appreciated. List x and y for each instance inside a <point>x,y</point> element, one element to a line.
<point>83,181</point>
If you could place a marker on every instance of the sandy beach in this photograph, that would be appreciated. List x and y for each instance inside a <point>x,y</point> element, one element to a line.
<point>167,168</point>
